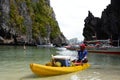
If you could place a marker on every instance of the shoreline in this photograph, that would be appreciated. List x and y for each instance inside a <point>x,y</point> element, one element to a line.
<point>17,44</point>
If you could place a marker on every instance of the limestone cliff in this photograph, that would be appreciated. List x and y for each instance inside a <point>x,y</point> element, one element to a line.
<point>29,21</point>
<point>106,27</point>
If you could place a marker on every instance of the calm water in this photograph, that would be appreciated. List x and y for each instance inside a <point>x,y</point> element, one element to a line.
<point>14,64</point>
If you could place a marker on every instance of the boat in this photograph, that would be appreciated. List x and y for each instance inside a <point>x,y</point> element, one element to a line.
<point>99,46</point>
<point>45,45</point>
<point>43,70</point>
<point>72,47</point>
<point>50,70</point>
<point>102,46</point>
<point>113,50</point>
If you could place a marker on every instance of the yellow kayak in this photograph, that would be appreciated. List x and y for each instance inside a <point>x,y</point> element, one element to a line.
<point>43,70</point>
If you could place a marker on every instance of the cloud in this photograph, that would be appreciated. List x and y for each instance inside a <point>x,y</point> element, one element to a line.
<point>70,14</point>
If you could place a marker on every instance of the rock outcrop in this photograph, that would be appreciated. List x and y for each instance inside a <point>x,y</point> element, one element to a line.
<point>92,26</point>
<point>106,27</point>
<point>29,22</point>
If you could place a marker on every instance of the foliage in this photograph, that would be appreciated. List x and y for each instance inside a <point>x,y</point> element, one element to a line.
<point>41,15</point>
<point>16,20</point>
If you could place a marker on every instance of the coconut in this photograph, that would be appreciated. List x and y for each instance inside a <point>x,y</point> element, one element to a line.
<point>58,64</point>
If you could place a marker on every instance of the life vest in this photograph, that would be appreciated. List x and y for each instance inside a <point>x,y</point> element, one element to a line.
<point>82,54</point>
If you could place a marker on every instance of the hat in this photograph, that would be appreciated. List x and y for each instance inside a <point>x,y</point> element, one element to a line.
<point>82,45</point>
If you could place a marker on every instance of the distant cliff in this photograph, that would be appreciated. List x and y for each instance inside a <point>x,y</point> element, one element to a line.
<point>106,27</point>
<point>30,22</point>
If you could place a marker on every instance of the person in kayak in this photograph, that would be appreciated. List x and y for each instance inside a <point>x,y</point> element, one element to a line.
<point>82,54</point>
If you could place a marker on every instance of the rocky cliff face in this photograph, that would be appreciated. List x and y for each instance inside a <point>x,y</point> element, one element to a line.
<point>29,21</point>
<point>106,27</point>
<point>92,26</point>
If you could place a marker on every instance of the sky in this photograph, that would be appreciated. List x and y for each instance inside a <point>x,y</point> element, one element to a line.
<point>70,14</point>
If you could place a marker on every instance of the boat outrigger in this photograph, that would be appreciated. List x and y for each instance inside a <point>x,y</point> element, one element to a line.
<point>99,46</point>
<point>102,46</point>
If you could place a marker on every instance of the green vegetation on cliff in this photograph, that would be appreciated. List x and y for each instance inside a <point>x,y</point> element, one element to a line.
<point>16,20</point>
<point>41,15</point>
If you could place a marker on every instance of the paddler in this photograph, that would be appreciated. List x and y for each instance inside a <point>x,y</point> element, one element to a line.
<point>82,54</point>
